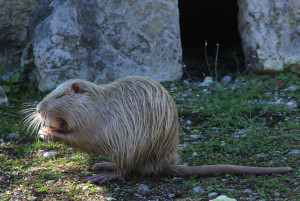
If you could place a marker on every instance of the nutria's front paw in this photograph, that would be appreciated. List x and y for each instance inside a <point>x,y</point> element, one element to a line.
<point>102,178</point>
<point>104,166</point>
<point>46,133</point>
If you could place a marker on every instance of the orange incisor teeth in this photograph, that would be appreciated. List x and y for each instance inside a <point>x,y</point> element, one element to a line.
<point>48,128</point>
<point>51,125</point>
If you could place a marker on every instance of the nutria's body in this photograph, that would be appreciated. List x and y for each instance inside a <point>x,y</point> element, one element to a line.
<point>133,121</point>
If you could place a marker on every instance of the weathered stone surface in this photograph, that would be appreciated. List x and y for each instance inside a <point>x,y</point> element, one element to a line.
<point>3,98</point>
<point>14,22</point>
<point>270,32</point>
<point>105,40</point>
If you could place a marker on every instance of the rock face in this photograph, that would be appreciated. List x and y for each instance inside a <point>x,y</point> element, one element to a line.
<point>270,33</point>
<point>105,40</point>
<point>14,22</point>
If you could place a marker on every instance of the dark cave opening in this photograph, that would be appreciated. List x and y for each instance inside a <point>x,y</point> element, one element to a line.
<point>214,23</point>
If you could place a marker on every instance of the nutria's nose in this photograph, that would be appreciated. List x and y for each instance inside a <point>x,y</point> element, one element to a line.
<point>38,108</point>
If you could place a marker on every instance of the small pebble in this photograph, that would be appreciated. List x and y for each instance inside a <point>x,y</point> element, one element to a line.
<point>207,81</point>
<point>194,136</point>
<point>178,179</point>
<point>198,189</point>
<point>261,155</point>
<point>226,79</point>
<point>39,152</point>
<point>51,182</point>
<point>296,151</point>
<point>212,194</point>
<point>138,195</point>
<point>223,198</point>
<point>110,199</point>
<point>143,189</point>
<point>49,154</point>
<point>195,154</point>
<point>85,188</point>
<point>99,188</point>
<point>186,81</point>
<point>13,135</point>
<point>32,198</point>
<point>249,191</point>
<point>291,104</point>
<point>291,88</point>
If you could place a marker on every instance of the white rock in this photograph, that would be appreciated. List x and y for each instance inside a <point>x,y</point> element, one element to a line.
<point>223,198</point>
<point>51,182</point>
<point>207,81</point>
<point>85,188</point>
<point>49,154</point>
<point>110,199</point>
<point>143,189</point>
<point>226,79</point>
<point>188,122</point>
<point>40,151</point>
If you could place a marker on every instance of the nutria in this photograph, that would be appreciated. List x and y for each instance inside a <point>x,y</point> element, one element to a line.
<point>133,121</point>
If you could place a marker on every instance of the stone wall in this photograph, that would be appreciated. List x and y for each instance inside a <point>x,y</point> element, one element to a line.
<point>101,41</point>
<point>104,40</point>
<point>270,33</point>
<point>14,23</point>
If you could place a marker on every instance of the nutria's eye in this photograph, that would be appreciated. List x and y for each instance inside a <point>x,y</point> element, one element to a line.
<point>77,89</point>
<point>59,96</point>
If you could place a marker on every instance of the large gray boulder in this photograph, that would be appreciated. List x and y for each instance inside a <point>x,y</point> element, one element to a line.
<point>270,33</point>
<point>105,40</point>
<point>14,23</point>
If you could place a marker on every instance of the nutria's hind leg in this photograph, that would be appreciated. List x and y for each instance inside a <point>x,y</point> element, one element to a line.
<point>104,166</point>
<point>102,178</point>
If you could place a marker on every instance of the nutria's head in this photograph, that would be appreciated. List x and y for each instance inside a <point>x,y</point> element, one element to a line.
<point>67,108</point>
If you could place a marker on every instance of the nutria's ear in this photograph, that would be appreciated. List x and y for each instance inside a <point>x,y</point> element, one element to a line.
<point>76,88</point>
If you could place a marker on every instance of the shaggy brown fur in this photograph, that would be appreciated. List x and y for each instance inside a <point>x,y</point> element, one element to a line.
<point>133,121</point>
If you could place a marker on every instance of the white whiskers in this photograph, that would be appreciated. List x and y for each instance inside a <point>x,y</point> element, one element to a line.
<point>33,121</point>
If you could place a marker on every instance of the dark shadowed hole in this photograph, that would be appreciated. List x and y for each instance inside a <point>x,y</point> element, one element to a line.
<point>216,22</point>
